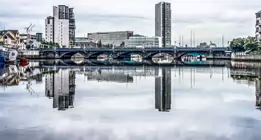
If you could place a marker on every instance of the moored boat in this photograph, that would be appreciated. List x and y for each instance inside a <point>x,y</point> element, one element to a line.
<point>102,57</point>
<point>24,60</point>
<point>7,55</point>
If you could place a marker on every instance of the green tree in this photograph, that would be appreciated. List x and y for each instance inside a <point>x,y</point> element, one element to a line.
<point>111,45</point>
<point>56,45</point>
<point>243,44</point>
<point>122,44</point>
<point>107,46</point>
<point>99,44</point>
<point>50,44</point>
<point>251,46</point>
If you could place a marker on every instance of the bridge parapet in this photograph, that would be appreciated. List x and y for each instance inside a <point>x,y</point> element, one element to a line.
<point>142,51</point>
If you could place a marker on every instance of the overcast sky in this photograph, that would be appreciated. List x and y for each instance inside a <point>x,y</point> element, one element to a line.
<point>208,18</point>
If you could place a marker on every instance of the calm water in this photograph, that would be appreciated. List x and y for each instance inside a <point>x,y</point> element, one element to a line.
<point>125,103</point>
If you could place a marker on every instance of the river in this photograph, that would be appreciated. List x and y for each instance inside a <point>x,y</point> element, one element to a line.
<point>118,102</point>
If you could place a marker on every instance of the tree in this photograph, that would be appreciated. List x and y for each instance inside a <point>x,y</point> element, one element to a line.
<point>237,44</point>
<point>47,44</point>
<point>99,44</point>
<point>111,45</point>
<point>251,46</point>
<point>107,46</point>
<point>122,44</point>
<point>56,45</point>
<point>243,44</point>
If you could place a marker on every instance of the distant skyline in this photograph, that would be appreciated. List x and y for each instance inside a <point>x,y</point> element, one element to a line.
<point>208,18</point>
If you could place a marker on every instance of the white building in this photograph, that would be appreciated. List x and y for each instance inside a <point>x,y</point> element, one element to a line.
<point>61,27</point>
<point>84,42</point>
<point>117,38</point>
<point>49,29</point>
<point>163,22</point>
<point>143,41</point>
<point>258,26</point>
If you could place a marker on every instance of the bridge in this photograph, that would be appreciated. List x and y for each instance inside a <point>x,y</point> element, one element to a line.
<point>120,53</point>
<point>95,64</point>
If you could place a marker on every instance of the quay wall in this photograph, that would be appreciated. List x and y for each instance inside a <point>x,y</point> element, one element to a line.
<point>251,58</point>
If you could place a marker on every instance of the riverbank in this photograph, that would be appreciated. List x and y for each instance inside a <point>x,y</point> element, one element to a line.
<point>246,58</point>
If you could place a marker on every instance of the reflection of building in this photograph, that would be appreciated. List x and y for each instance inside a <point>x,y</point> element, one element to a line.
<point>39,78</point>
<point>163,22</point>
<point>9,76</point>
<point>49,85</point>
<point>115,38</point>
<point>109,76</point>
<point>163,91</point>
<point>258,92</point>
<point>143,41</point>
<point>61,87</point>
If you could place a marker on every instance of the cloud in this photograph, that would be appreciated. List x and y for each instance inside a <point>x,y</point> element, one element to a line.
<point>212,18</point>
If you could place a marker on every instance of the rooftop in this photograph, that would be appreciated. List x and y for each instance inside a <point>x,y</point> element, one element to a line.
<point>163,2</point>
<point>259,12</point>
<point>111,32</point>
<point>12,31</point>
<point>137,35</point>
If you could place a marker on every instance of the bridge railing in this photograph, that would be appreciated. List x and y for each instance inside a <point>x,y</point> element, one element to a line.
<point>136,49</point>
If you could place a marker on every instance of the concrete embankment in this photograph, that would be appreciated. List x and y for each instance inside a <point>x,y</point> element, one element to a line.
<point>218,58</point>
<point>251,58</point>
<point>29,54</point>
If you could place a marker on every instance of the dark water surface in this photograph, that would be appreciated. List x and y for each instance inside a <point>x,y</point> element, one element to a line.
<point>130,103</point>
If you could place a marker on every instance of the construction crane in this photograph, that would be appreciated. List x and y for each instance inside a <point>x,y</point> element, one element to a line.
<point>28,30</point>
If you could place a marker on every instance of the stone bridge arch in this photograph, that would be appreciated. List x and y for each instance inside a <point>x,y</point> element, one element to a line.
<point>121,55</point>
<point>68,55</point>
<point>149,55</point>
<point>181,54</point>
<point>94,55</point>
<point>50,54</point>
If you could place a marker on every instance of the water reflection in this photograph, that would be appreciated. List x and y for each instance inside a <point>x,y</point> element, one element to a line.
<point>138,98</point>
<point>60,86</point>
<point>109,76</point>
<point>250,74</point>
<point>12,75</point>
<point>258,92</point>
<point>163,90</point>
<point>60,83</point>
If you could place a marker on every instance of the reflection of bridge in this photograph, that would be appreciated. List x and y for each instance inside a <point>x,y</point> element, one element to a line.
<point>86,63</point>
<point>118,53</point>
